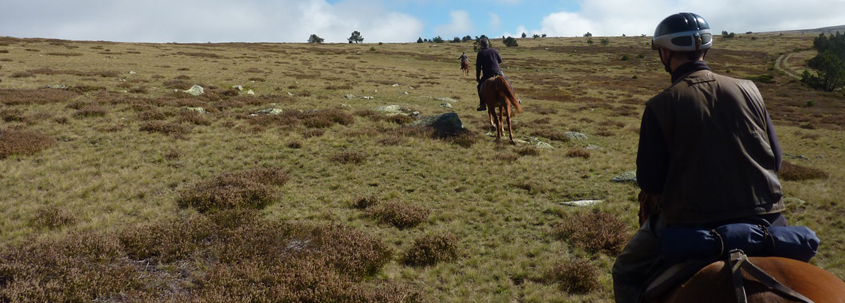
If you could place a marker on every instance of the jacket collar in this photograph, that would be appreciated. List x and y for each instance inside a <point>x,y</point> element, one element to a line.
<point>688,68</point>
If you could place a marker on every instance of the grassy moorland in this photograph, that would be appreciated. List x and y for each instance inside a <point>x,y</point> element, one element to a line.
<point>111,190</point>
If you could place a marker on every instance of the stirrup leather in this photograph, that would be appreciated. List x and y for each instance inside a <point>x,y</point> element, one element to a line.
<point>739,261</point>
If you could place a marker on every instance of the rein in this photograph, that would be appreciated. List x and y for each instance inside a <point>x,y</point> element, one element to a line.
<point>739,261</point>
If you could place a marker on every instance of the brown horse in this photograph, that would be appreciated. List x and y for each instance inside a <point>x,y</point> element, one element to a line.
<point>714,284</point>
<point>465,67</point>
<point>497,93</point>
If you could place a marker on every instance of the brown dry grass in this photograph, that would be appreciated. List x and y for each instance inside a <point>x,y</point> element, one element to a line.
<point>399,215</point>
<point>794,172</point>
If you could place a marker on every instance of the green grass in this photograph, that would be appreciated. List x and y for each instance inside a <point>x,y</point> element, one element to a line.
<point>99,169</point>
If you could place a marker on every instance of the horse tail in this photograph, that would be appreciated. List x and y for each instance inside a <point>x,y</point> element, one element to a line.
<point>506,91</point>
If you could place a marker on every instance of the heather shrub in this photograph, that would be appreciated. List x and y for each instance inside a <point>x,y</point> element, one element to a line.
<point>577,277</point>
<point>35,96</point>
<point>151,114</point>
<point>22,143</point>
<point>53,217</point>
<point>326,118</point>
<point>400,215</point>
<point>194,118</point>
<point>364,202</point>
<point>349,157</point>
<point>794,172</point>
<point>593,231</point>
<point>528,151</point>
<point>431,249</point>
<point>75,268</point>
<point>463,139</point>
<point>578,152</point>
<point>166,242</point>
<point>166,128</point>
<point>12,115</point>
<point>245,189</point>
<point>89,111</point>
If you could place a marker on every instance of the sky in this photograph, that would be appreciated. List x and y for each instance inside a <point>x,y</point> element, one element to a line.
<point>200,21</point>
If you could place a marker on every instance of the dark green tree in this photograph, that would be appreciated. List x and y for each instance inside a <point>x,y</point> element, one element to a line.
<point>524,35</point>
<point>829,63</point>
<point>315,39</point>
<point>437,40</point>
<point>477,44</point>
<point>466,38</point>
<point>510,42</point>
<point>420,40</point>
<point>356,37</point>
<point>588,34</point>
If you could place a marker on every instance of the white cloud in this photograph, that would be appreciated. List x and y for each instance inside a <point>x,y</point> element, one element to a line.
<point>495,21</point>
<point>461,25</point>
<point>630,17</point>
<point>207,20</point>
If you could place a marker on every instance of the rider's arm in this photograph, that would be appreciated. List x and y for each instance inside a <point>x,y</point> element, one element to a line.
<point>478,67</point>
<point>652,155</point>
<point>773,142</point>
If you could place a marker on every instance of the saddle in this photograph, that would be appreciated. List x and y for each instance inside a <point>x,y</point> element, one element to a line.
<point>734,265</point>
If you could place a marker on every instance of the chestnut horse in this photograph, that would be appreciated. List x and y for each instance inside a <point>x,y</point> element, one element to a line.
<point>497,93</point>
<point>714,284</point>
<point>465,67</point>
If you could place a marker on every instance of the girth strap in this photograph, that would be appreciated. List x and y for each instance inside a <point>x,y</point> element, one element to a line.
<point>738,261</point>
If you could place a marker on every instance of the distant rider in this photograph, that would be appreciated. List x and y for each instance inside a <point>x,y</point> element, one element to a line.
<point>487,61</point>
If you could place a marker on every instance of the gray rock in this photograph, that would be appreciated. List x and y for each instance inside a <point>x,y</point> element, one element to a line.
<point>445,105</point>
<point>349,96</point>
<point>544,145</point>
<point>271,111</point>
<point>368,97</point>
<point>250,93</point>
<point>448,124</point>
<point>628,176</point>
<point>238,87</point>
<point>56,86</point>
<point>195,109</point>
<point>576,136</point>
<point>392,110</point>
<point>404,93</point>
<point>196,90</point>
<point>582,203</point>
<point>447,100</point>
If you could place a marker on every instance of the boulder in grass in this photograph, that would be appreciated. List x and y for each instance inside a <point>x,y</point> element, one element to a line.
<point>444,125</point>
<point>628,176</point>
<point>196,90</point>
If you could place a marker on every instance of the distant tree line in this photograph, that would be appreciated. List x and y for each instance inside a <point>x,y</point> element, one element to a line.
<point>829,63</point>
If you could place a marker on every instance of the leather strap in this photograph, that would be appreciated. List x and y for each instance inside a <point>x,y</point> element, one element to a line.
<point>740,261</point>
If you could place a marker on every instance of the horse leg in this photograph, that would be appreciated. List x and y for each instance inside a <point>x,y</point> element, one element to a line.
<point>510,130</point>
<point>494,123</point>
<point>501,130</point>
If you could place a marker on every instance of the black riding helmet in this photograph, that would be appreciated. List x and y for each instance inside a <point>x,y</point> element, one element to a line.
<point>683,32</point>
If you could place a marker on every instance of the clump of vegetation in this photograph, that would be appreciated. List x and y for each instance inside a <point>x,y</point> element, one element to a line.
<point>463,138</point>
<point>593,231</point>
<point>365,202</point>
<point>35,96</point>
<point>349,157</point>
<point>528,151</point>
<point>432,249</point>
<point>226,257</point>
<point>578,152</point>
<point>794,172</point>
<point>578,277</point>
<point>192,117</point>
<point>762,78</point>
<point>506,157</point>
<point>53,217</point>
<point>22,143</point>
<point>253,188</point>
<point>167,128</point>
<point>400,215</point>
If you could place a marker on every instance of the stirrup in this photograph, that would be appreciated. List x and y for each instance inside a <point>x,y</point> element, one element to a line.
<point>481,108</point>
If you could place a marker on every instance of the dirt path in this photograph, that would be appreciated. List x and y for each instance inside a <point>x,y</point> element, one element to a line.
<point>781,65</point>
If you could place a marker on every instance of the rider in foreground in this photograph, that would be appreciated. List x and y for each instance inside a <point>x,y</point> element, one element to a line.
<point>708,153</point>
<point>487,64</point>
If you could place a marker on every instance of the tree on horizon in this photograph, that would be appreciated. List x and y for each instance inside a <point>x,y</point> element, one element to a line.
<point>356,37</point>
